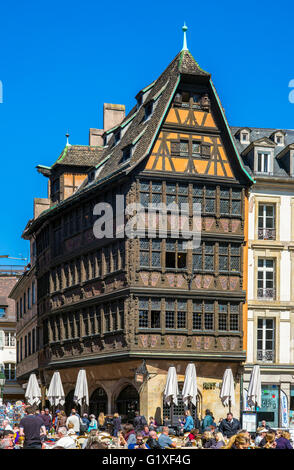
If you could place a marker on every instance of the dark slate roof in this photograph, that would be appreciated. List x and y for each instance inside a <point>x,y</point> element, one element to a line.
<point>107,162</point>
<point>258,133</point>
<point>140,132</point>
<point>79,155</point>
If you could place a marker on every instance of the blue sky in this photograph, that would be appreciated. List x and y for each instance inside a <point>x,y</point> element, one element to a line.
<point>61,60</point>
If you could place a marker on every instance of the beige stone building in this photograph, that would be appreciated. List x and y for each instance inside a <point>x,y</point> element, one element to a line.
<point>268,154</point>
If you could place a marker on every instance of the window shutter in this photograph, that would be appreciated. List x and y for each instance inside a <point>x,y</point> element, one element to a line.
<point>175,147</point>
<point>205,150</point>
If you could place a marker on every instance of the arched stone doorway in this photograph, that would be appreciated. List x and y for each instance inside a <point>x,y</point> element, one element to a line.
<point>127,402</point>
<point>98,402</point>
<point>180,408</point>
<point>70,404</point>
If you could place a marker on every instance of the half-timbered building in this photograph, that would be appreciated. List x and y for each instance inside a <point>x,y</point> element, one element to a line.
<point>125,309</point>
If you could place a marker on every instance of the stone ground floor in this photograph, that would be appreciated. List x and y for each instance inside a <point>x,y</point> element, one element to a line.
<point>277,394</point>
<point>113,387</point>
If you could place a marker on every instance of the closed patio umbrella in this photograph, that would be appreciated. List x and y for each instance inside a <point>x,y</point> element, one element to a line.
<point>171,390</point>
<point>189,391</point>
<point>254,389</point>
<point>227,393</point>
<point>81,394</point>
<point>33,392</point>
<point>55,393</point>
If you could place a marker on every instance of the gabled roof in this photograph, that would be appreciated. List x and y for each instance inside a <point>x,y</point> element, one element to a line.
<point>259,134</point>
<point>263,142</point>
<point>74,155</point>
<point>141,132</point>
<point>285,150</point>
<point>161,94</point>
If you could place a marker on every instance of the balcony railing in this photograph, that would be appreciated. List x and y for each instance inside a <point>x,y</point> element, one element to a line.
<point>266,234</point>
<point>265,355</point>
<point>266,294</point>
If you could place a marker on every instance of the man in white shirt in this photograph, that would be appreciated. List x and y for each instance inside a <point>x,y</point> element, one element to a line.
<point>75,420</point>
<point>64,440</point>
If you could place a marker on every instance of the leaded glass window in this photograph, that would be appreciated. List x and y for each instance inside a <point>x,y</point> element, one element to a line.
<point>195,148</point>
<point>197,315</point>
<point>169,319</point>
<point>223,257</point>
<point>223,316</point>
<point>181,313</point>
<point>144,252</point>
<point>208,315</point>
<point>184,148</point>
<point>209,257</point>
<point>210,200</point>
<point>224,201</point>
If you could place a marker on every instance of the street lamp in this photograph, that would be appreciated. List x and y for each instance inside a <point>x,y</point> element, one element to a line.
<point>141,373</point>
<point>2,383</point>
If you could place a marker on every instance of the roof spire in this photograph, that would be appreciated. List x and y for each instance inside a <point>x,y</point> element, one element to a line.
<point>184,28</point>
<point>67,142</point>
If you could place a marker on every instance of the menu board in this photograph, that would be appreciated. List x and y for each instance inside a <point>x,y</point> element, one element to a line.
<point>249,421</point>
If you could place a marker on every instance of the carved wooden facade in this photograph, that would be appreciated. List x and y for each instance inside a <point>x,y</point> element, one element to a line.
<point>114,298</point>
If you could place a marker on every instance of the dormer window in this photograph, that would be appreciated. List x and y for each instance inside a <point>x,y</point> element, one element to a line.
<point>117,136</point>
<point>279,138</point>
<point>244,137</point>
<point>105,140</point>
<point>148,110</point>
<point>263,162</point>
<point>127,153</point>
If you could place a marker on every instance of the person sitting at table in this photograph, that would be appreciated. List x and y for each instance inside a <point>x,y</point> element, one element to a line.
<point>218,441</point>
<point>194,433</point>
<point>145,432</point>
<point>139,444</point>
<point>152,441</point>
<point>152,424</point>
<point>92,433</point>
<point>64,440</point>
<point>127,436</point>
<point>206,439</point>
<point>95,443</point>
<point>283,441</point>
<point>71,431</point>
<point>164,440</point>
<point>93,423</point>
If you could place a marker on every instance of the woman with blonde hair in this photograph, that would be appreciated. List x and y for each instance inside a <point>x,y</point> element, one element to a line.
<point>61,420</point>
<point>238,441</point>
<point>218,441</point>
<point>270,441</point>
<point>101,421</point>
<point>283,440</point>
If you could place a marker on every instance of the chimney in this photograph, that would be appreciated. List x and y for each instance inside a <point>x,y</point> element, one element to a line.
<point>113,114</point>
<point>95,137</point>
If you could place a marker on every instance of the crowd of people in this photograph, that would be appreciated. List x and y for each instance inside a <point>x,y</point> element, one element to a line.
<point>44,430</point>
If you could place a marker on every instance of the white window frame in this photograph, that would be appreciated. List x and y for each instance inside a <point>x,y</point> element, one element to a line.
<point>10,338</point>
<point>263,151</point>
<point>261,159</point>
<point>244,137</point>
<point>264,269</point>
<point>279,135</point>
<point>264,218</point>
<point>264,351</point>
